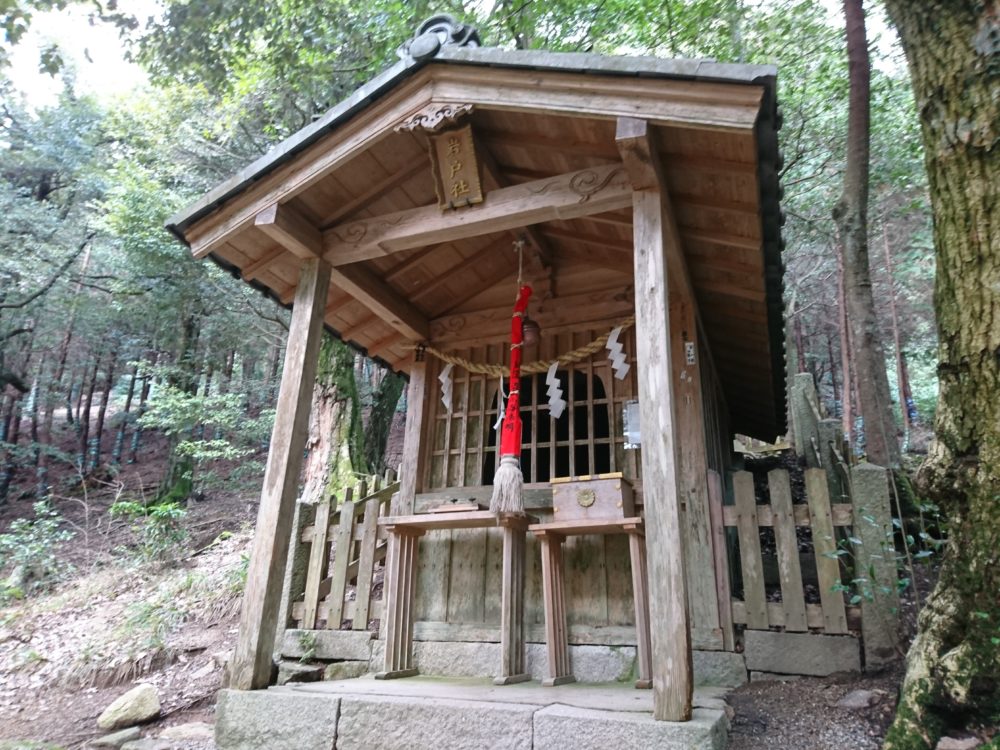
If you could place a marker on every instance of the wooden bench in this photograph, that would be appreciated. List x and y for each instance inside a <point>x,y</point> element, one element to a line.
<point>404,535</point>
<point>551,535</point>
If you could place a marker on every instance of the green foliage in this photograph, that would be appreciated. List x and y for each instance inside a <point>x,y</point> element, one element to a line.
<point>28,549</point>
<point>159,527</point>
<point>897,544</point>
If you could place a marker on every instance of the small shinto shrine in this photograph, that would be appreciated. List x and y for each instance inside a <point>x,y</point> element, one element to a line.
<point>638,199</point>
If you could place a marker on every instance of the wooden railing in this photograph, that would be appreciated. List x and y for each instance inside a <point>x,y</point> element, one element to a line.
<point>760,609</point>
<point>346,547</point>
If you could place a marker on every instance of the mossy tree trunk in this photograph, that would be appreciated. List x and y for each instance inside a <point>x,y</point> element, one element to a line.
<point>953,667</point>
<point>335,436</point>
<point>851,215</point>
<point>384,402</point>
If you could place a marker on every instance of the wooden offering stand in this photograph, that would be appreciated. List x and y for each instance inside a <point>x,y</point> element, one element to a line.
<point>590,505</point>
<point>404,533</point>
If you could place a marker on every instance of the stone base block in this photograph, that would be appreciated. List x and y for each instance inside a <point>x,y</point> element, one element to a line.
<point>295,671</point>
<point>398,723</point>
<point>345,670</point>
<point>558,727</point>
<point>588,663</point>
<point>719,668</point>
<point>275,719</point>
<point>801,653</point>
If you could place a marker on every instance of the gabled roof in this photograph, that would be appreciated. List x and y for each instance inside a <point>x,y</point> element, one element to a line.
<point>736,271</point>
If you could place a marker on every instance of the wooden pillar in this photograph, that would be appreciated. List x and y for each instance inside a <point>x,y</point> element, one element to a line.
<point>556,636</point>
<point>416,400</point>
<point>692,460</point>
<point>655,240</point>
<point>251,664</point>
<point>400,583</point>
<point>512,662</point>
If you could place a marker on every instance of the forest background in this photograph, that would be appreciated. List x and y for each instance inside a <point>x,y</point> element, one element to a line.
<point>116,347</point>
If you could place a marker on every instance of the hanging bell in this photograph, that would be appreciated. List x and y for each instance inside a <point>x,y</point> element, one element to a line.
<point>531,330</point>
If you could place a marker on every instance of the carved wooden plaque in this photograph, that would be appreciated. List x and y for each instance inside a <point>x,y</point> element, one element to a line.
<point>456,170</point>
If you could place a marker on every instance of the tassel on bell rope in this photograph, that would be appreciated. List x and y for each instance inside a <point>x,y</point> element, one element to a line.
<point>508,481</point>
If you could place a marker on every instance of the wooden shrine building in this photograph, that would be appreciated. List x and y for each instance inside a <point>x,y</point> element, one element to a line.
<point>644,194</point>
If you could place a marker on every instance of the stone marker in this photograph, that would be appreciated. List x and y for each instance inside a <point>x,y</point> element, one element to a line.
<point>117,739</point>
<point>139,704</point>
<point>873,526</point>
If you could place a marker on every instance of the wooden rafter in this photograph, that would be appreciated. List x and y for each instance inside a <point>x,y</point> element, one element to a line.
<point>292,230</point>
<point>567,196</point>
<point>373,194</point>
<point>252,270</point>
<point>351,331</point>
<point>475,290</point>
<point>458,269</point>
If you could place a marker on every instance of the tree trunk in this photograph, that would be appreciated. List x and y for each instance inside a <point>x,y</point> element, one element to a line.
<point>847,392</point>
<point>953,667</point>
<point>109,381</point>
<point>334,447</point>
<point>8,444</point>
<point>851,215</point>
<point>896,338</point>
<point>83,415</point>
<point>147,383</point>
<point>384,402</point>
<point>119,444</point>
<point>178,482</point>
<point>833,369</point>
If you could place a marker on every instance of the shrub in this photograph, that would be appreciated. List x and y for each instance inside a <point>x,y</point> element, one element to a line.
<point>28,549</point>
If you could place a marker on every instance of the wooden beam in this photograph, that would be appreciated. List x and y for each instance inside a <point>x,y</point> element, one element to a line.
<point>252,270</point>
<point>250,667</point>
<point>703,105</point>
<point>597,306</point>
<point>655,244</point>
<point>381,299</point>
<point>566,196</point>
<point>291,230</point>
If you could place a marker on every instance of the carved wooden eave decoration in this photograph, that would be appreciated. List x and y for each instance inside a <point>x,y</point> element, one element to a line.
<point>419,231</point>
<point>435,117</point>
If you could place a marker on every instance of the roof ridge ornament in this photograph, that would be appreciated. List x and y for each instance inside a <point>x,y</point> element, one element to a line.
<point>437,32</point>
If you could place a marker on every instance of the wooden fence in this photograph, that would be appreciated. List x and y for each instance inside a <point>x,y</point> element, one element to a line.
<point>346,547</point>
<point>760,609</point>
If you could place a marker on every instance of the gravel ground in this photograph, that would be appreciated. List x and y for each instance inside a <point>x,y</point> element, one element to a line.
<point>802,714</point>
